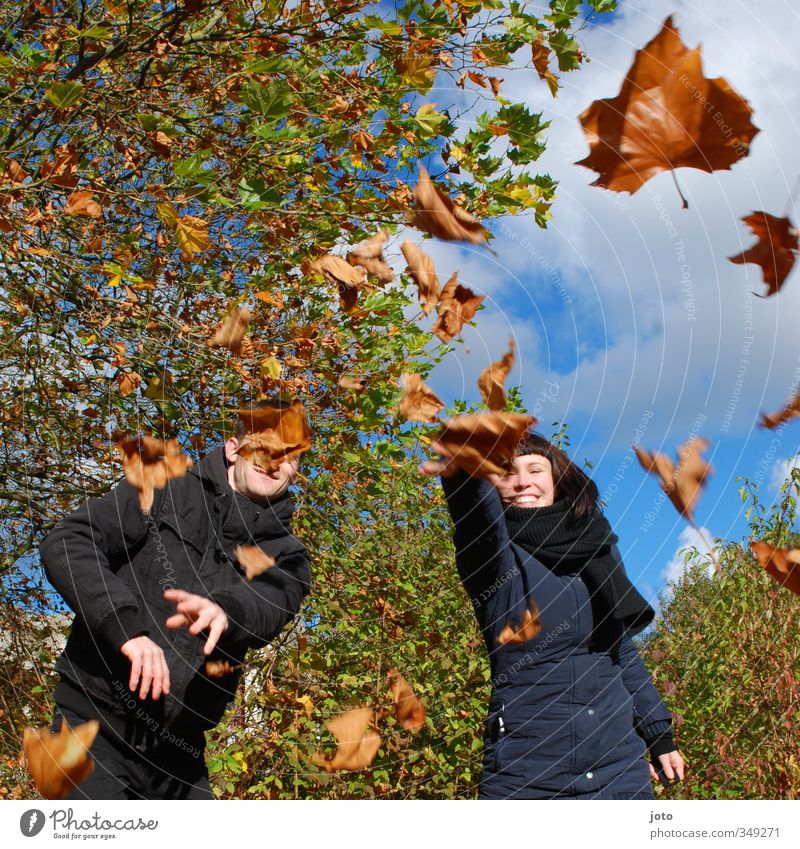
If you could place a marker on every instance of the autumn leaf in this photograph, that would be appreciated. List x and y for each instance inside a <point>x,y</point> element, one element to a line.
<point>148,463</point>
<point>275,435</point>
<point>492,380</point>
<point>219,668</point>
<point>338,272</point>
<point>354,384</point>
<point>435,213</point>
<point>422,270</point>
<point>419,403</point>
<point>59,762</point>
<point>775,249</point>
<point>408,709</point>
<point>191,233</point>
<point>526,630</point>
<point>369,256</point>
<point>83,203</point>
<point>540,56</point>
<point>62,170</point>
<point>358,741</point>
<point>416,71</point>
<point>790,411</point>
<point>683,484</point>
<point>253,560</point>
<point>780,563</point>
<point>483,444</point>
<point>666,116</point>
<point>457,306</point>
<point>128,382</point>
<point>231,332</point>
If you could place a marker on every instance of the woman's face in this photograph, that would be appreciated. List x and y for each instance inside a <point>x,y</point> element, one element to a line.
<point>530,484</point>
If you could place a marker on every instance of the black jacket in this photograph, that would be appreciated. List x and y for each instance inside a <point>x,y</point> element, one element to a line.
<point>112,563</point>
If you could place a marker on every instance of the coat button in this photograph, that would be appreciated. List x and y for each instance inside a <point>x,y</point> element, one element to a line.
<point>591,711</point>
<point>590,775</point>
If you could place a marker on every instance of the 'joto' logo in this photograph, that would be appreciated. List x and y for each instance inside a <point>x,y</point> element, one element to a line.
<point>31,822</point>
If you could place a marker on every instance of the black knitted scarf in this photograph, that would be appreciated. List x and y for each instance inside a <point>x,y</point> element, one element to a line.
<point>570,546</point>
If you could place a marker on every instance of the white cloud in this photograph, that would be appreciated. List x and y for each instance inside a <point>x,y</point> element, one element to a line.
<point>781,469</point>
<point>688,538</point>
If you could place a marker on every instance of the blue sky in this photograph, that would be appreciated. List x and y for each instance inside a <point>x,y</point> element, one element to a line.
<point>629,303</point>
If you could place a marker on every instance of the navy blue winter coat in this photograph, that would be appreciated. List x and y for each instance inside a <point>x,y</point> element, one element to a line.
<point>567,718</point>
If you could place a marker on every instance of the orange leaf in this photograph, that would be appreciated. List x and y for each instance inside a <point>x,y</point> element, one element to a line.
<point>148,464</point>
<point>83,203</point>
<point>483,444</point>
<point>128,382</point>
<point>369,256</point>
<point>421,268</point>
<point>338,272</point>
<point>358,741</point>
<point>62,171</point>
<point>775,249</point>
<point>780,563</point>
<point>191,234</point>
<point>684,484</point>
<point>59,762</point>
<point>790,411</point>
<point>457,305</point>
<point>356,384</point>
<point>231,332</point>
<point>219,668</point>
<point>527,630</point>
<point>419,403</point>
<point>253,560</point>
<point>492,380</point>
<point>435,213</point>
<point>667,115</point>
<point>409,710</point>
<point>275,434</point>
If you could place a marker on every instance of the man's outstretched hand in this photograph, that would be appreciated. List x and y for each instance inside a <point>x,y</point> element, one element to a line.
<point>200,614</point>
<point>149,665</point>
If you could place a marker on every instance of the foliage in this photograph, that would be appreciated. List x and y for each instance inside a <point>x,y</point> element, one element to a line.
<point>163,163</point>
<point>726,655</point>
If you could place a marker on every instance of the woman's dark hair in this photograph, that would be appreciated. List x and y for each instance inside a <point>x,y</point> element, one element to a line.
<point>570,481</point>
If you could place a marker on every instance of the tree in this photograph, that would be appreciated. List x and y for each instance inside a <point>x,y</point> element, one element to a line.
<point>162,163</point>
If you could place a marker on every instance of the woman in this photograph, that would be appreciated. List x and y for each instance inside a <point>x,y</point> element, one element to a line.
<point>573,708</point>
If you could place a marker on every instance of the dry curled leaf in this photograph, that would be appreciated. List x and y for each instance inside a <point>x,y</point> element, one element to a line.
<point>435,213</point>
<point>421,268</point>
<point>528,628</point>
<point>354,384</point>
<point>275,434</point>
<point>419,403</point>
<point>782,564</point>
<point>408,709</point>
<point>231,332</point>
<point>540,56</point>
<point>253,560</point>
<point>492,380</point>
<point>338,272</point>
<point>59,762</point>
<point>128,382</point>
<point>148,463</point>
<point>683,484</point>
<point>219,668</point>
<point>368,255</point>
<point>358,741</point>
<point>790,411</point>
<point>83,203</point>
<point>774,251</point>
<point>667,115</point>
<point>457,306</point>
<point>483,444</point>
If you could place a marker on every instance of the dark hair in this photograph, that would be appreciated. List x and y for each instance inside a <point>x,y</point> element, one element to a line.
<point>570,482</point>
<point>280,402</point>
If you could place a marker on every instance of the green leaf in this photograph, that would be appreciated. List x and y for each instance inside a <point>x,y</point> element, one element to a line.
<point>430,121</point>
<point>566,50</point>
<point>65,95</point>
<point>273,100</point>
<point>148,122</point>
<point>255,194</point>
<point>387,27</point>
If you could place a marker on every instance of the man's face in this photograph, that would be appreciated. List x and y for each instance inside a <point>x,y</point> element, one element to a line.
<point>253,482</point>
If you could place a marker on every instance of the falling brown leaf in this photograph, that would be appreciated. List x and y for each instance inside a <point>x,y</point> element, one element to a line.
<point>483,444</point>
<point>540,56</point>
<point>781,563</point>
<point>62,170</point>
<point>219,668</point>
<point>667,115</point>
<point>421,268</point>
<point>369,256</point>
<point>253,560</point>
<point>419,403</point>
<point>408,709</point>
<point>191,234</point>
<point>790,411</point>
<point>59,762</point>
<point>231,332</point>
<point>276,435</point>
<point>355,384</point>
<point>83,203</point>
<point>344,276</point>
<point>492,380</point>
<point>684,484</point>
<point>128,382</point>
<point>457,306</point>
<point>526,630</point>
<point>148,463</point>
<point>774,251</point>
<point>435,213</point>
<point>358,741</point>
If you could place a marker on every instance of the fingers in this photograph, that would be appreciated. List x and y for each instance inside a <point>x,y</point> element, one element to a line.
<point>136,670</point>
<point>176,595</point>
<point>653,773</point>
<point>178,620</point>
<point>202,620</point>
<point>147,675</point>
<point>666,766</point>
<point>678,764</point>
<point>217,629</point>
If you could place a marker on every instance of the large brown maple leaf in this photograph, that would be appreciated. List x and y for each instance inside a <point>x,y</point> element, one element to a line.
<point>775,249</point>
<point>667,115</point>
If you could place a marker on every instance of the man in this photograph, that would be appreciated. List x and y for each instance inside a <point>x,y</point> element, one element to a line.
<point>158,595</point>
